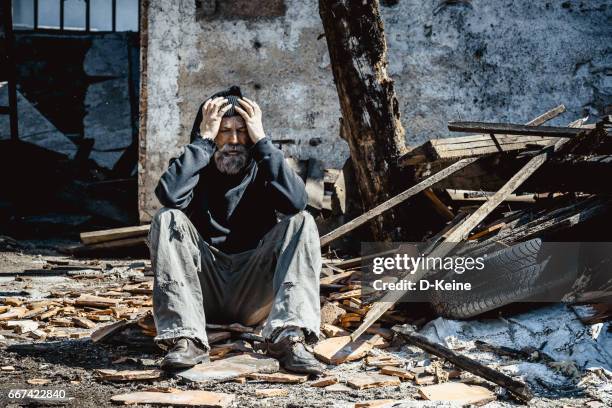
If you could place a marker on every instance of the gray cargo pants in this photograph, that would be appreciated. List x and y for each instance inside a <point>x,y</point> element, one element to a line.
<point>196,282</point>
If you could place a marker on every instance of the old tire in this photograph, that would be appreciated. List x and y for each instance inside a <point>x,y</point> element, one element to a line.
<point>513,274</point>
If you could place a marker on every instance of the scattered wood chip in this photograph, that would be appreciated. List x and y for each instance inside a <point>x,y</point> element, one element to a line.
<point>337,350</point>
<point>363,381</point>
<point>13,313</point>
<point>324,382</point>
<point>228,368</point>
<point>328,280</point>
<point>99,318</point>
<point>95,301</point>
<point>127,375</point>
<point>345,295</point>
<point>458,392</point>
<point>7,368</point>
<point>398,372</point>
<point>108,330</point>
<point>38,381</point>
<point>184,398</point>
<point>374,403</point>
<point>384,360</point>
<point>331,313</point>
<point>282,378</point>
<point>37,334</point>
<point>22,326</point>
<point>35,312</point>
<point>49,313</point>
<point>337,388</point>
<point>333,331</point>
<point>83,322</point>
<point>12,301</point>
<point>424,379</point>
<point>271,392</point>
<point>61,322</point>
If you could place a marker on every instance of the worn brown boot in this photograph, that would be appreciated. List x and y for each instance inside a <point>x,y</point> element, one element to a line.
<point>184,354</point>
<point>293,356</point>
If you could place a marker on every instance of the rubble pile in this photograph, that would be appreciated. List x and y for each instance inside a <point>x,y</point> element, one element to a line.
<point>493,190</point>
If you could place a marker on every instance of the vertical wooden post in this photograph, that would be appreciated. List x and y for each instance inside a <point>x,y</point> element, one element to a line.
<point>370,111</point>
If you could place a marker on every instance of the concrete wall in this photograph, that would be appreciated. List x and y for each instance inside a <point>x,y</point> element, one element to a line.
<point>507,60</point>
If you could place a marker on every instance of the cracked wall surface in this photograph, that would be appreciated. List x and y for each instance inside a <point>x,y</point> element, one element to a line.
<point>507,60</point>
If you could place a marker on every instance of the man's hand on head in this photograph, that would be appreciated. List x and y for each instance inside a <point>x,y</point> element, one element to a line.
<point>212,113</point>
<point>251,113</point>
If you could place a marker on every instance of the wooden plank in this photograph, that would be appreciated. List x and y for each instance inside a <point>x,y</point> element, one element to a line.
<point>95,301</point>
<point>457,392</point>
<point>398,199</point>
<point>127,375</point>
<point>176,398</point>
<point>439,206</point>
<point>398,372</point>
<point>95,237</point>
<point>324,382</point>
<point>281,378</point>
<point>337,350</point>
<point>513,129</point>
<point>504,140</point>
<point>328,280</point>
<point>473,145</point>
<point>118,243</point>
<point>517,388</point>
<point>364,381</point>
<point>537,121</point>
<point>546,116</point>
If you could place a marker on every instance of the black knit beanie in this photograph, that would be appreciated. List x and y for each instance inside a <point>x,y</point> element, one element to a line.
<point>232,94</point>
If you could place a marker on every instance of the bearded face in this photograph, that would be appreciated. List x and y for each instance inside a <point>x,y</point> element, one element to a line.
<point>231,159</point>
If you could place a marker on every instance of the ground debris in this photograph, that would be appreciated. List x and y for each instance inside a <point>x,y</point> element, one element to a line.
<point>179,398</point>
<point>457,392</point>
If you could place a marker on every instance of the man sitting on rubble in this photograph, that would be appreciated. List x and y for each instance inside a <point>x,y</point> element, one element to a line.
<point>218,250</point>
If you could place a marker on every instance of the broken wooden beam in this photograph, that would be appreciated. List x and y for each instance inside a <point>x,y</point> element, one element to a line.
<point>513,129</point>
<point>478,145</point>
<point>517,388</point>
<point>398,199</point>
<point>95,237</point>
<point>460,233</point>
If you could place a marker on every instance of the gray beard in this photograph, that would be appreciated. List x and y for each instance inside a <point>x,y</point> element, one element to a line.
<point>231,164</point>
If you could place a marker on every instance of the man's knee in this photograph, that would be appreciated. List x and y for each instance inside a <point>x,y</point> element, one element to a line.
<point>165,216</point>
<point>169,221</point>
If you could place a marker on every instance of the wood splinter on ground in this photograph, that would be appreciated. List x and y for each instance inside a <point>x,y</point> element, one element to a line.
<point>271,392</point>
<point>178,398</point>
<point>457,392</point>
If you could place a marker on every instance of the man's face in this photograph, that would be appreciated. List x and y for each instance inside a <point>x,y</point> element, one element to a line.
<point>232,155</point>
<point>233,130</point>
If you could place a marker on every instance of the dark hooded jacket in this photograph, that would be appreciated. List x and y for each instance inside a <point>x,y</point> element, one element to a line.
<point>231,213</point>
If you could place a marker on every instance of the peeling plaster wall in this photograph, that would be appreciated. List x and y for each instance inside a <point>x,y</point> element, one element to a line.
<point>507,60</point>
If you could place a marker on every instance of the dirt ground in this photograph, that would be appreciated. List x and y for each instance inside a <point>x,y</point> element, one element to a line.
<point>69,364</point>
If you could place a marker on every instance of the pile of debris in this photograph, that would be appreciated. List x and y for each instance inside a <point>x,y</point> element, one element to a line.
<point>502,187</point>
